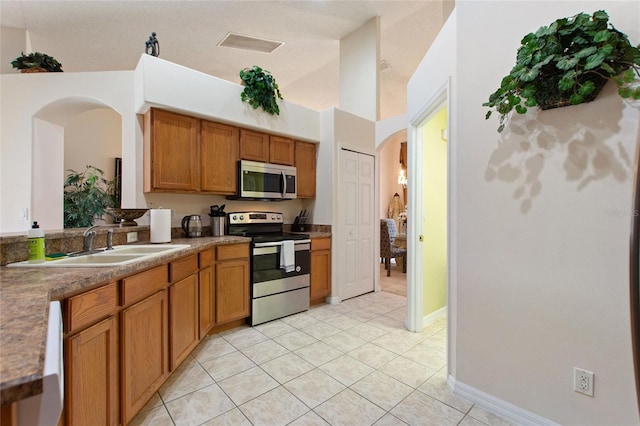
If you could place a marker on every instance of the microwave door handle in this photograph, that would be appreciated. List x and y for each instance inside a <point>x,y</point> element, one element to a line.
<point>284,183</point>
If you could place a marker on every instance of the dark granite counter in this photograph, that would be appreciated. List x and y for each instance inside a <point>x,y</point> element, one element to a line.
<point>25,294</point>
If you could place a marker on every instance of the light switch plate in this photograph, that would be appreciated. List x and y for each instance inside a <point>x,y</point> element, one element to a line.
<point>132,237</point>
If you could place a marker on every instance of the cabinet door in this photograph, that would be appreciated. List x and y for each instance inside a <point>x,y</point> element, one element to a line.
<point>144,352</point>
<point>320,274</point>
<point>171,152</point>
<point>281,150</point>
<point>183,319</point>
<point>91,375</point>
<point>305,161</point>
<point>206,300</point>
<point>219,158</point>
<point>254,146</point>
<point>232,290</point>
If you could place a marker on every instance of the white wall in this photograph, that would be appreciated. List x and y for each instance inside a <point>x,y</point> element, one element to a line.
<point>48,174</point>
<point>339,129</point>
<point>359,71</point>
<point>55,98</point>
<point>542,276</point>
<point>14,42</point>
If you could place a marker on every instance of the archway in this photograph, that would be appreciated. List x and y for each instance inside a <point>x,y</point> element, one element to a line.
<point>49,125</point>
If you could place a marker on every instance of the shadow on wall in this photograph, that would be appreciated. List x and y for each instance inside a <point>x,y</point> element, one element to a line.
<point>585,136</point>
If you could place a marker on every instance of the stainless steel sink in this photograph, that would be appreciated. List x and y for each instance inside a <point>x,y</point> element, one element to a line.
<point>120,255</point>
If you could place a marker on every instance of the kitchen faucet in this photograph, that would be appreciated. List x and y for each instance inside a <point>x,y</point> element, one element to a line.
<point>89,235</point>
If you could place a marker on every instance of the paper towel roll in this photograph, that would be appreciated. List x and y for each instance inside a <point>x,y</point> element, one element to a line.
<point>160,225</point>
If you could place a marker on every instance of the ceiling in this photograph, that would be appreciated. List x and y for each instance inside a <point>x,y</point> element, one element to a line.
<point>111,35</point>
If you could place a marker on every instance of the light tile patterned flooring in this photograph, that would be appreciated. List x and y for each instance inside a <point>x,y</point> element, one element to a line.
<point>347,364</point>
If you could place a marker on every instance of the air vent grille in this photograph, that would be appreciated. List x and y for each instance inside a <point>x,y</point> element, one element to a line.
<point>245,42</point>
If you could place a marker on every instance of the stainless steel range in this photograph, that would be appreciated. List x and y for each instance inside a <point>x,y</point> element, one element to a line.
<point>280,264</point>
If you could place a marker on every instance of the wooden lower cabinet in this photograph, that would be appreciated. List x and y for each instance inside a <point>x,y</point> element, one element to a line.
<point>232,275</point>
<point>91,375</point>
<point>320,274</point>
<point>206,300</point>
<point>123,339</point>
<point>232,290</point>
<point>183,319</point>
<point>144,352</point>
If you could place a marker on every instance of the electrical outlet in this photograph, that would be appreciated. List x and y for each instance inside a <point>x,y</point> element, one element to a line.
<point>583,381</point>
<point>132,237</point>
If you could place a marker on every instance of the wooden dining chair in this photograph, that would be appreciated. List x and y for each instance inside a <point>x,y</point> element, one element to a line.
<point>388,250</point>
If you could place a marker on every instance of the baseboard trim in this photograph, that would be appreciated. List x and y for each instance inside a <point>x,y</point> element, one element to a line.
<point>497,406</point>
<point>428,319</point>
<point>333,300</point>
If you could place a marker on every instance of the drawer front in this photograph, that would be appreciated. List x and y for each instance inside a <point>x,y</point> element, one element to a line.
<point>182,268</point>
<point>232,251</point>
<point>139,286</point>
<point>205,258</point>
<point>91,307</point>
<point>320,244</point>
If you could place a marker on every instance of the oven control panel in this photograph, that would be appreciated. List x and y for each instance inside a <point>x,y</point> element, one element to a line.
<point>236,218</point>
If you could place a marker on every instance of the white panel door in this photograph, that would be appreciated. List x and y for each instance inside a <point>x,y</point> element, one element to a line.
<point>357,224</point>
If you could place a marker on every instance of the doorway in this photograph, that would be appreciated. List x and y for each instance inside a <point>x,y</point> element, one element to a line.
<point>429,214</point>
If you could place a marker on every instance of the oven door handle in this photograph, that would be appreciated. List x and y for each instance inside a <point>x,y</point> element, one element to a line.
<point>279,243</point>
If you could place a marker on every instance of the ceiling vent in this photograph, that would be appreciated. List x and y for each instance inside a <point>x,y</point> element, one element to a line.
<point>239,41</point>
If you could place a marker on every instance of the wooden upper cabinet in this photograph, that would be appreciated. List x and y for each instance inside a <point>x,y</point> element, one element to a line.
<point>305,162</point>
<point>254,146</point>
<point>171,152</point>
<point>218,158</point>
<point>281,150</point>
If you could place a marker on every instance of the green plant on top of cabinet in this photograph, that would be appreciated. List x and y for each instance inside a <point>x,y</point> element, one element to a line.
<point>260,89</point>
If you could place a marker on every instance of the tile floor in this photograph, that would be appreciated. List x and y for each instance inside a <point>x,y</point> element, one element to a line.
<point>346,364</point>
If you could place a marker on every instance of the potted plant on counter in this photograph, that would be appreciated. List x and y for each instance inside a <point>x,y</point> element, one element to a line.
<point>568,63</point>
<point>36,62</point>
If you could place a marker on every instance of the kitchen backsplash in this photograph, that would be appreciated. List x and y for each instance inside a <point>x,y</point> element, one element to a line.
<point>13,247</point>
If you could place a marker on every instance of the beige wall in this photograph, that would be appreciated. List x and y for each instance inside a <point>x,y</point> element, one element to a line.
<point>93,138</point>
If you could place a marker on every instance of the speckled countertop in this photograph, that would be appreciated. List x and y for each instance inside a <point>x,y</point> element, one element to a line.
<point>25,294</point>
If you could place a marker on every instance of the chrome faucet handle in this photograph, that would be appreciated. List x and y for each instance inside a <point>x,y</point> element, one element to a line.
<point>88,240</point>
<point>109,239</point>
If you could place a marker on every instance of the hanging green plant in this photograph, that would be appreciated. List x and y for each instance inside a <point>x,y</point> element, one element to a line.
<point>36,62</point>
<point>86,196</point>
<point>568,63</point>
<point>260,89</point>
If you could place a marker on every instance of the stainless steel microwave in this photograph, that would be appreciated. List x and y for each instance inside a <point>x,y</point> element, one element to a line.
<point>266,181</point>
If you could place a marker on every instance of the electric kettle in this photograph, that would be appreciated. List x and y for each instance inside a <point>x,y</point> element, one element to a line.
<point>192,225</point>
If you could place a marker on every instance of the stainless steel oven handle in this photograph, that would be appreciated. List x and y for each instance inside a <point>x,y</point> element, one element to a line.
<point>258,251</point>
<point>284,183</point>
<point>279,243</point>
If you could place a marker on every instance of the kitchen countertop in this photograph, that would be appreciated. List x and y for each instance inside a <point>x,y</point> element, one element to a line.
<point>25,294</point>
